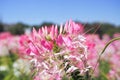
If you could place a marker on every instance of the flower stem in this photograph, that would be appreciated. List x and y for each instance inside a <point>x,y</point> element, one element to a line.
<point>112,40</point>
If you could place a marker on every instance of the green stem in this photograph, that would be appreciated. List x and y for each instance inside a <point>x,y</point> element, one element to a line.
<point>112,40</point>
<point>108,44</point>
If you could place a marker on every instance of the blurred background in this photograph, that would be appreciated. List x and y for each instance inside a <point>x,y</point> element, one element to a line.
<point>17,15</point>
<point>101,17</point>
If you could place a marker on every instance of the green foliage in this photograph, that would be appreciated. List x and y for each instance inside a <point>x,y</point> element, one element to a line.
<point>108,29</point>
<point>101,28</point>
<point>48,24</point>
<point>98,28</point>
<point>56,49</point>
<point>1,27</point>
<point>18,28</point>
<point>104,68</point>
<point>76,75</point>
<point>8,74</point>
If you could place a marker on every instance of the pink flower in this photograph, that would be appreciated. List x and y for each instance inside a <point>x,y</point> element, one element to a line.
<point>59,40</point>
<point>50,49</point>
<point>67,41</point>
<point>37,78</point>
<point>46,44</point>
<point>73,28</point>
<point>5,35</point>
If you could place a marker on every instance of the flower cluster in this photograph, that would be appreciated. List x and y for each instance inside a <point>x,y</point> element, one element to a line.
<point>8,43</point>
<point>111,56</point>
<point>59,53</point>
<point>56,52</point>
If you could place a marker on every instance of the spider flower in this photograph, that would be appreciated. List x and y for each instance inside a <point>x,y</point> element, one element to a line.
<point>56,52</point>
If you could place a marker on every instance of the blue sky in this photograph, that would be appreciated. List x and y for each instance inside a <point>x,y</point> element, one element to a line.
<point>59,11</point>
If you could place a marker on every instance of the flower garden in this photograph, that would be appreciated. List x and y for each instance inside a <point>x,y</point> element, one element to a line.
<point>59,53</point>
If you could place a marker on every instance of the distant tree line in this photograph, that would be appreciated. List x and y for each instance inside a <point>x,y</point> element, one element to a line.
<point>15,29</point>
<point>102,28</point>
<point>1,27</point>
<point>98,28</point>
<point>18,28</point>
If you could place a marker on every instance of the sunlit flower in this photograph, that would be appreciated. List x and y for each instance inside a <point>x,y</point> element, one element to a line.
<point>55,53</point>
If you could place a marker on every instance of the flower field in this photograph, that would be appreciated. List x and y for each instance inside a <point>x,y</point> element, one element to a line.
<point>59,53</point>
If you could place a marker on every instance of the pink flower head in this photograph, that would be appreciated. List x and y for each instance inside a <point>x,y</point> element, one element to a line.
<point>52,51</point>
<point>5,35</point>
<point>73,28</point>
<point>116,35</point>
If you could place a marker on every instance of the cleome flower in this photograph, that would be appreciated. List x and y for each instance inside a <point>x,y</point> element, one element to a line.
<point>55,52</point>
